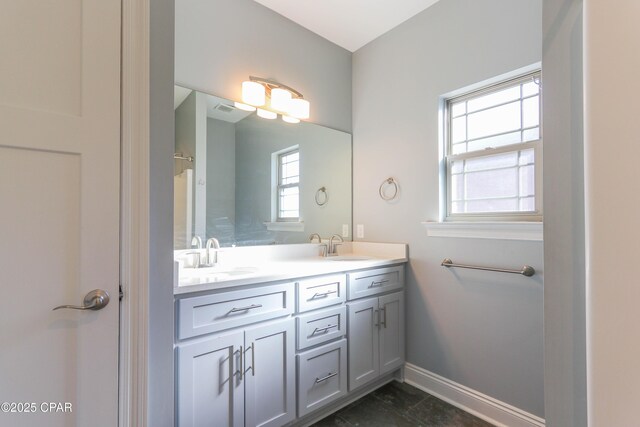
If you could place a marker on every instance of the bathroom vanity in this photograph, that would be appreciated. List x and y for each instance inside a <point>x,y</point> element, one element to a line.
<point>288,340</point>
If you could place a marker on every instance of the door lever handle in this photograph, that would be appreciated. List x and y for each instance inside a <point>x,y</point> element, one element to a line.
<point>94,300</point>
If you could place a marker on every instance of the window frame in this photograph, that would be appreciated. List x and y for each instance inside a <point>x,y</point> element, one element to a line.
<point>449,158</point>
<point>279,186</point>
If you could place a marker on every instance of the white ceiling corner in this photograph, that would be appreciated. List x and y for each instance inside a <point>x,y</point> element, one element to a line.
<point>348,23</point>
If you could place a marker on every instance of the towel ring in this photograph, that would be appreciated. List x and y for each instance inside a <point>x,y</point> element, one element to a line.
<point>386,183</point>
<point>322,197</point>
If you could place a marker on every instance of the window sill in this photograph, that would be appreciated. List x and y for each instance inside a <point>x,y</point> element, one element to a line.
<point>529,231</point>
<point>297,226</point>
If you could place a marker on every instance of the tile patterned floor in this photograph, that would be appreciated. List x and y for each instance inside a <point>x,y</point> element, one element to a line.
<point>400,405</point>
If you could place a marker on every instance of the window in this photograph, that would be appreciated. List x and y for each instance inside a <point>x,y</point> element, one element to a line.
<point>288,193</point>
<point>493,152</point>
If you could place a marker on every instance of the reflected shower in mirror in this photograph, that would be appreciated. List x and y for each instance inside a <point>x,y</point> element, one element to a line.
<point>249,181</point>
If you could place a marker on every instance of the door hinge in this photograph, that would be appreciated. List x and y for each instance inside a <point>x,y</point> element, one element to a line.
<point>121,292</point>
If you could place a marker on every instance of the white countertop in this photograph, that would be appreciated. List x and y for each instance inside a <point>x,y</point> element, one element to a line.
<point>357,256</point>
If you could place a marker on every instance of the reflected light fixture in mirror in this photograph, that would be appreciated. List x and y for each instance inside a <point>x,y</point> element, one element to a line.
<point>266,114</point>
<point>289,119</point>
<point>244,107</point>
<point>281,99</point>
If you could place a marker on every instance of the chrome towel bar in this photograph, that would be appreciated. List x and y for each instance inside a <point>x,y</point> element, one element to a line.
<point>526,270</point>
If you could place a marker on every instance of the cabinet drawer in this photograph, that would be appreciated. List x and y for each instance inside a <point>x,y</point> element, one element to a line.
<point>225,310</point>
<point>375,281</point>
<point>322,376</point>
<point>321,326</point>
<point>321,292</point>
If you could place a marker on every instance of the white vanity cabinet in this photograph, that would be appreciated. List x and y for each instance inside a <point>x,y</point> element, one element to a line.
<point>275,354</point>
<point>375,336</point>
<point>243,376</point>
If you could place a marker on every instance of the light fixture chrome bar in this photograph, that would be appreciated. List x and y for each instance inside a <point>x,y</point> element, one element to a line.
<point>271,84</point>
<point>526,270</point>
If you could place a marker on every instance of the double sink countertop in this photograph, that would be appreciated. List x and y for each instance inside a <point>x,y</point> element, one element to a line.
<point>254,265</point>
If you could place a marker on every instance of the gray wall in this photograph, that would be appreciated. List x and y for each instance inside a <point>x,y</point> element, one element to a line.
<point>481,329</point>
<point>564,296</point>
<point>221,183</point>
<point>220,43</point>
<point>185,131</point>
<point>160,411</point>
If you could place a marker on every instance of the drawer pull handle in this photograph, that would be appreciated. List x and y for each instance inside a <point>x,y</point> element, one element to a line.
<point>378,283</point>
<point>249,307</point>
<point>322,294</point>
<point>319,380</point>
<point>323,330</point>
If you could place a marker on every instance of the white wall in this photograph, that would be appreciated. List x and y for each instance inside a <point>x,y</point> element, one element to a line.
<point>481,329</point>
<point>220,43</point>
<point>612,149</point>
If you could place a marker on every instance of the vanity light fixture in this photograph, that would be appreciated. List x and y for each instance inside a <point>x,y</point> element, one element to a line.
<point>274,98</point>
<point>253,93</point>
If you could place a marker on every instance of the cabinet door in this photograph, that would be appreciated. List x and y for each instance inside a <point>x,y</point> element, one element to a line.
<point>391,331</point>
<point>362,342</point>
<point>210,388</point>
<point>270,374</point>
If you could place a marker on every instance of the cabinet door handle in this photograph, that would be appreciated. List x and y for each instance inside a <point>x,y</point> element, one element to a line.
<point>249,307</point>
<point>378,282</point>
<point>319,380</point>
<point>241,370</point>
<point>323,330</point>
<point>384,316</point>
<point>322,294</point>
<point>253,359</point>
<point>377,318</point>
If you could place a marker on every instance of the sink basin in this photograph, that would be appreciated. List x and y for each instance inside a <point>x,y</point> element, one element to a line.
<point>349,258</point>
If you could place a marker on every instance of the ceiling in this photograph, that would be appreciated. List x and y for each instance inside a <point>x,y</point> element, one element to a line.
<point>348,23</point>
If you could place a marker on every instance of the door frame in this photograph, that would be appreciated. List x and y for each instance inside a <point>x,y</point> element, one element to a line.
<point>134,214</point>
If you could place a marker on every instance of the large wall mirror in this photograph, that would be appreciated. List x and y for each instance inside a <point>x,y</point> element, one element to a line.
<point>249,181</point>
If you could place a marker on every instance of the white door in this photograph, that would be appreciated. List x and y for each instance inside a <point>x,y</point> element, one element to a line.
<point>59,211</point>
<point>270,399</point>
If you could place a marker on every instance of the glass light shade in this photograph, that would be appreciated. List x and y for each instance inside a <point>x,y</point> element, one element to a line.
<point>253,93</point>
<point>244,107</point>
<point>265,114</point>
<point>280,99</point>
<point>289,119</point>
<point>299,108</point>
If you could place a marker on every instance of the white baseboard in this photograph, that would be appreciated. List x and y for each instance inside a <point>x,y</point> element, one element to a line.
<point>482,406</point>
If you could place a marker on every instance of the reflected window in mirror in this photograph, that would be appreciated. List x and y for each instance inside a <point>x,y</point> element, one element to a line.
<point>288,198</point>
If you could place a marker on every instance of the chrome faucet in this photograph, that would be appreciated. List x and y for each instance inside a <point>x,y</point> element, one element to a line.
<point>333,246</point>
<point>325,248</point>
<point>197,242</point>
<point>212,242</point>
